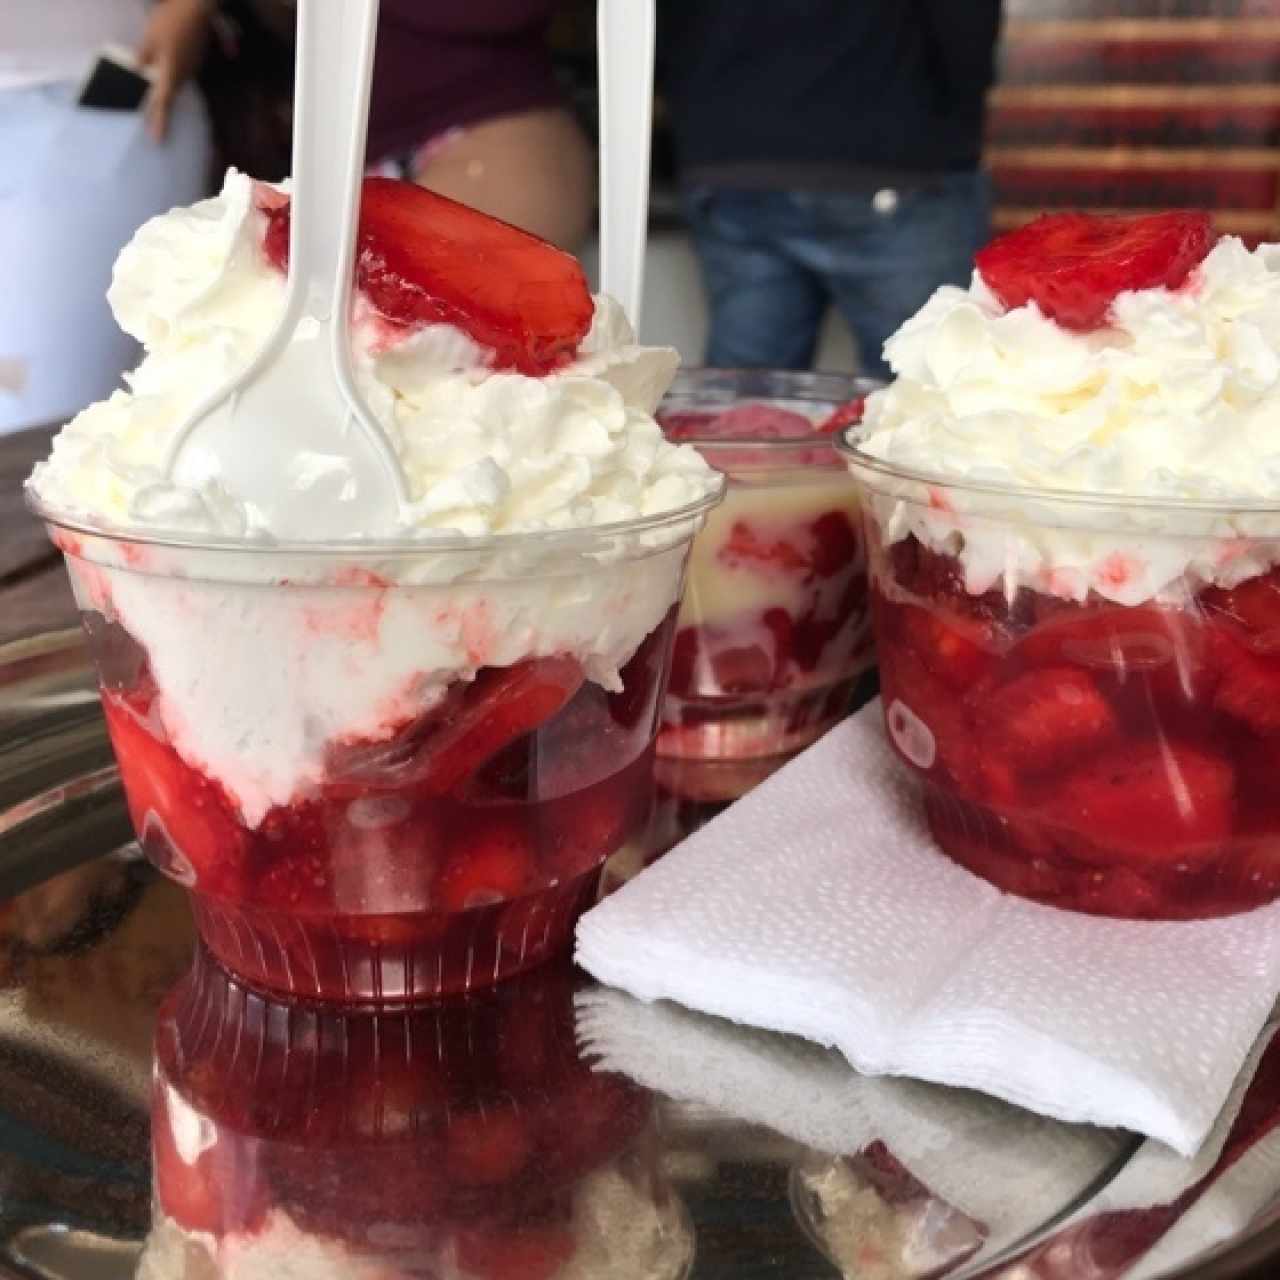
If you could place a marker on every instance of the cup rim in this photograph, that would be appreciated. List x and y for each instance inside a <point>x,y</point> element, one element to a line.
<point>582,537</point>
<point>858,460</point>
<point>792,384</point>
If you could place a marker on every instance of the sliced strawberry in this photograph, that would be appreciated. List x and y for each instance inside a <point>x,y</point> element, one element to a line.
<point>1249,687</point>
<point>503,705</point>
<point>926,721</point>
<point>1073,265</point>
<point>749,421</point>
<point>958,650</point>
<point>1168,648</point>
<point>490,860</point>
<point>181,817</point>
<point>1150,803</point>
<point>424,259</point>
<point>745,547</point>
<point>845,415</point>
<point>188,1193</point>
<point>487,1148</point>
<point>1254,606</point>
<point>836,544</point>
<point>1045,719</point>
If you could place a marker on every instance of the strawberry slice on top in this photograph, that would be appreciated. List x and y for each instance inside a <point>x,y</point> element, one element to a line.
<point>424,259</point>
<point>1073,265</point>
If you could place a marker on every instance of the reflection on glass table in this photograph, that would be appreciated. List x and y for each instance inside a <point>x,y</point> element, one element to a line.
<point>555,1129</point>
<point>469,1140</point>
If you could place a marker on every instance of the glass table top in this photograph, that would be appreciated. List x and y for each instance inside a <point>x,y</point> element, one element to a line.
<point>551,1129</point>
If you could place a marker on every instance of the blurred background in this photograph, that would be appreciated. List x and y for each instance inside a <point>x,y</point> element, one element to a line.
<point>789,142</point>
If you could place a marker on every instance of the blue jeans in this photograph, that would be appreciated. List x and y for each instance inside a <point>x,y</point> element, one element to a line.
<point>773,260</point>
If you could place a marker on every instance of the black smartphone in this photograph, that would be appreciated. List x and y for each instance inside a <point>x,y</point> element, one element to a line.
<point>115,82</point>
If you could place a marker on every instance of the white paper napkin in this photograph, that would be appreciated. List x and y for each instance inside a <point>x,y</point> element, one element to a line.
<point>817,905</point>
<point>1002,1167</point>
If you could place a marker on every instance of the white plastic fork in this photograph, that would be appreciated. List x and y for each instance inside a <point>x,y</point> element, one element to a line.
<point>624,40</point>
<point>290,436</point>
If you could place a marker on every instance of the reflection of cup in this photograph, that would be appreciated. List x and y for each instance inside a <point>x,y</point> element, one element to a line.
<point>1087,688</point>
<point>464,1139</point>
<point>773,630</point>
<point>385,773</point>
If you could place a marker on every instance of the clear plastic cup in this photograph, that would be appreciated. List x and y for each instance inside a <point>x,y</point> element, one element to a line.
<point>386,773</point>
<point>773,632</point>
<point>1087,688</point>
<point>465,1138</point>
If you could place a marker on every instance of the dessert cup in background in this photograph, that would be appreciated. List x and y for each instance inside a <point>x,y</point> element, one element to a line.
<point>1110,758</point>
<point>385,774</point>
<point>773,631</point>
<point>468,1139</point>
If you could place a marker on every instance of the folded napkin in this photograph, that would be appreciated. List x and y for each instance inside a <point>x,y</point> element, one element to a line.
<point>1004,1168</point>
<point>817,905</point>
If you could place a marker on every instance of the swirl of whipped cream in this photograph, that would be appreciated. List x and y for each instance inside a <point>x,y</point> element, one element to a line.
<point>484,451</point>
<point>1175,401</point>
<point>263,661</point>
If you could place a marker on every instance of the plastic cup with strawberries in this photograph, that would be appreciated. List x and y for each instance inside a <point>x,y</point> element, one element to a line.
<point>468,1138</point>
<point>1073,527</point>
<point>773,632</point>
<point>385,772</point>
<point>1089,702</point>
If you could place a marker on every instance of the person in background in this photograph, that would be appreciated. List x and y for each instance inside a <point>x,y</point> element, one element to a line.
<point>828,151</point>
<point>76,182</point>
<point>465,102</point>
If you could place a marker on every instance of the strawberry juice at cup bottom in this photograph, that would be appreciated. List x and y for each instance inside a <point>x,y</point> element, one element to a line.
<point>386,773</point>
<point>773,632</point>
<point>1115,759</point>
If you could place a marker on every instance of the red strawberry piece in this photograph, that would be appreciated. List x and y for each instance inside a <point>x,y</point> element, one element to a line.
<point>502,705</point>
<point>188,1193</point>
<point>746,548</point>
<point>487,1148</point>
<point>1045,719</point>
<point>926,721</point>
<point>1073,265</point>
<point>845,415</point>
<point>180,816</point>
<point>685,424</point>
<point>491,860</point>
<point>1168,648</point>
<point>1254,606</point>
<point>1249,687</point>
<point>835,543</point>
<point>760,422</point>
<point>536,1251</point>
<point>956,649</point>
<point>1152,803</point>
<point>741,422</point>
<point>424,259</point>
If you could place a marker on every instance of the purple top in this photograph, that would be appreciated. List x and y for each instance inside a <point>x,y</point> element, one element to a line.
<point>441,64</point>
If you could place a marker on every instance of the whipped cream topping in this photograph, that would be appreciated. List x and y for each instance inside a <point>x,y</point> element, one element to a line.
<point>263,661</point>
<point>483,451</point>
<point>1176,400</point>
